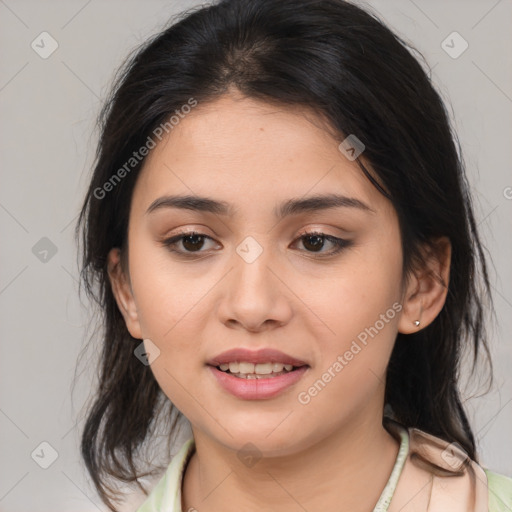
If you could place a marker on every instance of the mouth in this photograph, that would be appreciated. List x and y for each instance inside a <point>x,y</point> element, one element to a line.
<point>256,374</point>
<point>249,383</point>
<point>248,371</point>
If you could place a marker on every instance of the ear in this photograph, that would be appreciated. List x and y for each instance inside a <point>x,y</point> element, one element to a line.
<point>123,293</point>
<point>426,288</point>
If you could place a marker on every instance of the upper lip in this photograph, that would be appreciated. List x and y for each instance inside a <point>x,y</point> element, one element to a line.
<point>264,355</point>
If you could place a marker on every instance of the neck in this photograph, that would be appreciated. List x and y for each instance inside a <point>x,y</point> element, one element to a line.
<point>346,470</point>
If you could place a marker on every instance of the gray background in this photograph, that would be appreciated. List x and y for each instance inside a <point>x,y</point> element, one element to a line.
<point>48,110</point>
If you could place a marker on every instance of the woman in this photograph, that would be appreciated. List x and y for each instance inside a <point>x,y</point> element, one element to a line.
<point>283,240</point>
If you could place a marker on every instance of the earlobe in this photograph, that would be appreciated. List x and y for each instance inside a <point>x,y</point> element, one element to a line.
<point>123,293</point>
<point>426,291</point>
<point>412,307</point>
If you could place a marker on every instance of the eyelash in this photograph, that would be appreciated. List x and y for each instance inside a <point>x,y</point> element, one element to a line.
<point>339,243</point>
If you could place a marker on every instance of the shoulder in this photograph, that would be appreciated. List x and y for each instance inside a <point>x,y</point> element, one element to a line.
<point>439,476</point>
<point>166,495</point>
<point>500,491</point>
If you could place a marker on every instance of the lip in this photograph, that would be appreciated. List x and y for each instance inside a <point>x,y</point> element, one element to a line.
<point>257,389</point>
<point>264,355</point>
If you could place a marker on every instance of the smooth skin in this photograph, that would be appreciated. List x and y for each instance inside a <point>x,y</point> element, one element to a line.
<point>332,454</point>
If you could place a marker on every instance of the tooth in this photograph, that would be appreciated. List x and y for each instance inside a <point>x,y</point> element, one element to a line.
<point>256,376</point>
<point>277,367</point>
<point>244,367</point>
<point>263,368</point>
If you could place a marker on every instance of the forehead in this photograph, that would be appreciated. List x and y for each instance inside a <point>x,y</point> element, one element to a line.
<point>245,151</point>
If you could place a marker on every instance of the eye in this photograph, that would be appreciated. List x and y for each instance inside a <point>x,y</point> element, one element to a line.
<point>192,241</point>
<point>314,242</point>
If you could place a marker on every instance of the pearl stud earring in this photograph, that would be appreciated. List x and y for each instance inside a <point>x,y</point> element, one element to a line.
<point>416,323</point>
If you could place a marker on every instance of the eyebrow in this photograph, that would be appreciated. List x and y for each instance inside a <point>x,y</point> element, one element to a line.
<point>290,207</point>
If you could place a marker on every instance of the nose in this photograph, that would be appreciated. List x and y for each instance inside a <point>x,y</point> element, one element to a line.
<point>254,297</point>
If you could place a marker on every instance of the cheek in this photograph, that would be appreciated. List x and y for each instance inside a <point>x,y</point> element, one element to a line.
<point>164,293</point>
<point>358,305</point>
<point>350,374</point>
<point>356,292</point>
<point>171,311</point>
<point>167,309</point>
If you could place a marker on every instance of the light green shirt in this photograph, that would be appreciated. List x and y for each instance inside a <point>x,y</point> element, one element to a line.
<point>166,495</point>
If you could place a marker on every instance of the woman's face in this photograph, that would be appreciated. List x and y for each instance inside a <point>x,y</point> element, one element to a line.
<point>252,282</point>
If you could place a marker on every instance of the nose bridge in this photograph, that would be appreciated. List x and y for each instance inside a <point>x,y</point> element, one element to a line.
<point>254,296</point>
<point>252,261</point>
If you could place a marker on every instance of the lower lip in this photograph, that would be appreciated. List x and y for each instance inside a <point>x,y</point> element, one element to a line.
<point>257,389</point>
